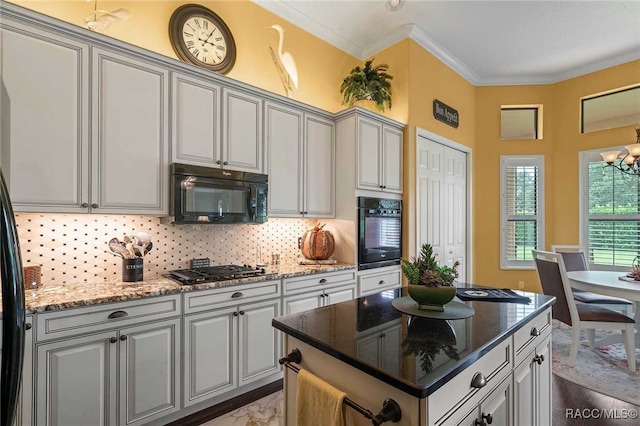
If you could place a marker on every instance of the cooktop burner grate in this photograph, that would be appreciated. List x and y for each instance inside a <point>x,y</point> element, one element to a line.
<point>215,273</point>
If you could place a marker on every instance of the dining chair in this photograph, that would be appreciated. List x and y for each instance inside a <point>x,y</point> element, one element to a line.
<point>575,260</point>
<point>580,316</point>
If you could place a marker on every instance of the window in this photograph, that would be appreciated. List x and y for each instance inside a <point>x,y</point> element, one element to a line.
<point>520,122</point>
<point>609,214</point>
<point>610,110</point>
<point>521,210</point>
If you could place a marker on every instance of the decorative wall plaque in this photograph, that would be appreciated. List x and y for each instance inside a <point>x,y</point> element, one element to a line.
<point>446,114</point>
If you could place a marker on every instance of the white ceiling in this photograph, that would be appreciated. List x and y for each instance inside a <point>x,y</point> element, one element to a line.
<point>487,42</point>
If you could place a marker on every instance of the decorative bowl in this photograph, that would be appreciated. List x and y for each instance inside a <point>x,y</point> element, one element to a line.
<point>431,298</point>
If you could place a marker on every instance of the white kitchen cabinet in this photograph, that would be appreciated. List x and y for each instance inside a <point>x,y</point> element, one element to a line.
<point>496,409</point>
<point>44,150</point>
<point>241,131</point>
<point>229,341</point>
<point>130,129</point>
<point>301,162</point>
<point>195,119</point>
<point>309,292</point>
<point>371,281</point>
<point>109,364</point>
<point>379,149</point>
<point>532,386</point>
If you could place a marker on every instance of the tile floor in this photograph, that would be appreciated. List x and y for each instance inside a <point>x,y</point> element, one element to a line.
<point>263,412</point>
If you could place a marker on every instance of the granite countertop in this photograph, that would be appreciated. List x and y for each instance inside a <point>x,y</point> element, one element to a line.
<point>431,351</point>
<point>67,296</point>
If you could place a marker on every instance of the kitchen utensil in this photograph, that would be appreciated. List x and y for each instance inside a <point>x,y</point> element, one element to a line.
<point>115,254</point>
<point>132,253</point>
<point>148,247</point>
<point>116,246</point>
<point>144,237</point>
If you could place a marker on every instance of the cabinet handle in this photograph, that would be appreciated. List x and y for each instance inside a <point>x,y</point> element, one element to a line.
<point>218,162</point>
<point>235,314</point>
<point>539,359</point>
<point>123,337</point>
<point>383,335</point>
<point>236,295</point>
<point>94,206</point>
<point>487,417</point>
<point>384,186</point>
<point>322,281</point>
<point>117,314</point>
<point>27,326</point>
<point>301,212</point>
<point>113,340</point>
<point>85,205</point>
<point>479,422</point>
<point>478,381</point>
<point>241,312</point>
<point>381,282</point>
<point>535,331</point>
<point>224,163</point>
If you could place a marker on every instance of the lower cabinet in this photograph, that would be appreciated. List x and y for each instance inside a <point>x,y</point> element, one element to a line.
<point>495,409</point>
<point>229,347</point>
<point>318,290</point>
<point>532,387</point>
<point>78,380</point>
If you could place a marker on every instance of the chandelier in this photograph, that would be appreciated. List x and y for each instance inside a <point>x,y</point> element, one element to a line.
<point>630,163</point>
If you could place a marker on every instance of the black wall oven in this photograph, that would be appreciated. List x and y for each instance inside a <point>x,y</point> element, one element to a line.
<point>379,232</point>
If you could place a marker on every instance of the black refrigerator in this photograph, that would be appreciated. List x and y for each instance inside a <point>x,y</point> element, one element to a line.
<point>13,309</point>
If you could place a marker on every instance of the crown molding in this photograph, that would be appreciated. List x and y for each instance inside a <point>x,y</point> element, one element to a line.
<point>389,40</point>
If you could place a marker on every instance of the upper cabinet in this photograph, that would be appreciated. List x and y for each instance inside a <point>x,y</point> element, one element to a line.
<point>44,141</point>
<point>241,131</point>
<point>301,162</point>
<point>374,144</point>
<point>130,125</point>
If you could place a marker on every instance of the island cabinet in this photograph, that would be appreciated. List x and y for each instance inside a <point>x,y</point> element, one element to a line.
<point>112,364</point>
<point>441,373</point>
<point>229,344</point>
<point>308,292</point>
<point>301,162</point>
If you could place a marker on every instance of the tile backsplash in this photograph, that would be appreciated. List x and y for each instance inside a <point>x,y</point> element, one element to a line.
<point>72,248</point>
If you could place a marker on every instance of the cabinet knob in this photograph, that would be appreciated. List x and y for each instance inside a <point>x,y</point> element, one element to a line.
<point>218,162</point>
<point>538,359</point>
<point>235,314</point>
<point>94,206</point>
<point>487,417</point>
<point>322,281</point>
<point>301,212</point>
<point>27,326</point>
<point>380,186</point>
<point>123,337</point>
<point>381,282</point>
<point>236,295</point>
<point>383,335</point>
<point>241,312</point>
<point>85,205</point>
<point>384,186</point>
<point>225,163</point>
<point>478,381</point>
<point>113,340</point>
<point>478,422</point>
<point>535,331</point>
<point>117,314</point>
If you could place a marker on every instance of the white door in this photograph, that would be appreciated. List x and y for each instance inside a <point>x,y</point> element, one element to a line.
<point>241,131</point>
<point>319,160</point>
<point>369,136</point>
<point>258,341</point>
<point>76,381</point>
<point>284,146</point>
<point>44,119</point>
<point>210,353</point>
<point>130,135</point>
<point>441,202</point>
<point>149,371</point>
<point>195,118</point>
<point>392,159</point>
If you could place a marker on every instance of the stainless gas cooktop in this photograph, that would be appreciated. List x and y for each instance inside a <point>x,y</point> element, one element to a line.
<point>215,273</point>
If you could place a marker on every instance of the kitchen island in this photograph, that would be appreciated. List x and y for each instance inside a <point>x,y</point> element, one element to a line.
<point>491,368</point>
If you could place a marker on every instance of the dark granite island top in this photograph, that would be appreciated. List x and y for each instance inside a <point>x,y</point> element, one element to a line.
<point>422,354</point>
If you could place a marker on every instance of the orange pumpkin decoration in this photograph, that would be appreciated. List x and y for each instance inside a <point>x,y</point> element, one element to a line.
<point>317,244</point>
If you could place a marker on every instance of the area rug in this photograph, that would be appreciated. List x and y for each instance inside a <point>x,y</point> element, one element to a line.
<point>604,370</point>
<point>263,412</point>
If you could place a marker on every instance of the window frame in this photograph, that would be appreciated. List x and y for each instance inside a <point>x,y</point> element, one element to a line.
<point>537,131</point>
<point>521,160</point>
<point>584,159</point>
<point>600,95</point>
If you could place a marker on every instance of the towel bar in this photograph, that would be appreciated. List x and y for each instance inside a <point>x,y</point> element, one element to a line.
<point>390,411</point>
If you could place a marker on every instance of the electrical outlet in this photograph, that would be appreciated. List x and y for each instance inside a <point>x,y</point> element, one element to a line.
<point>521,285</point>
<point>299,242</point>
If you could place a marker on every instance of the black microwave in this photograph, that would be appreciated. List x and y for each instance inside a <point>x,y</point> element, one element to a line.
<point>210,195</point>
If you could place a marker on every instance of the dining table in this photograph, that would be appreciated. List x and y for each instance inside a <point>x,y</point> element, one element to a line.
<point>610,283</point>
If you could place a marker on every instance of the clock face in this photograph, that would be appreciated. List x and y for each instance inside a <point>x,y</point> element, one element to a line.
<point>200,37</point>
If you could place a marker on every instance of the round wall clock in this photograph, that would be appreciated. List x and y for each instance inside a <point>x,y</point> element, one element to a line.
<point>200,37</point>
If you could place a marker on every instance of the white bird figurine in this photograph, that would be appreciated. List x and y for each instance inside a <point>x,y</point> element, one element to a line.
<point>100,23</point>
<point>288,75</point>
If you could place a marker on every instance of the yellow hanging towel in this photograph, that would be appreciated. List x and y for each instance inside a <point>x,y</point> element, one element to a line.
<point>318,403</point>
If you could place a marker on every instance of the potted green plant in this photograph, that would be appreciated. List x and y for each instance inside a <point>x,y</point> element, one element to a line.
<point>430,284</point>
<point>370,83</point>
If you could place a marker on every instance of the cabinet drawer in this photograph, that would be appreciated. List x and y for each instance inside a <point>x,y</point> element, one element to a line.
<point>53,325</point>
<point>530,335</point>
<point>494,366</point>
<point>199,301</point>
<point>375,283</point>
<point>317,281</point>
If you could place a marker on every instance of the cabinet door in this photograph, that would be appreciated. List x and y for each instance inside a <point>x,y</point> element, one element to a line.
<point>284,156</point>
<point>341,294</point>
<point>130,135</point>
<point>210,354</point>
<point>543,383</point>
<point>524,400</point>
<point>195,121</point>
<point>319,186</point>
<point>44,149</point>
<point>497,407</point>
<point>76,381</point>
<point>149,371</point>
<point>241,131</point>
<point>258,341</point>
<point>302,303</point>
<point>392,160</point>
<point>369,151</point>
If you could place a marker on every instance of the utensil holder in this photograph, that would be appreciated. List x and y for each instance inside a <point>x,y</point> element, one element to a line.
<point>132,269</point>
